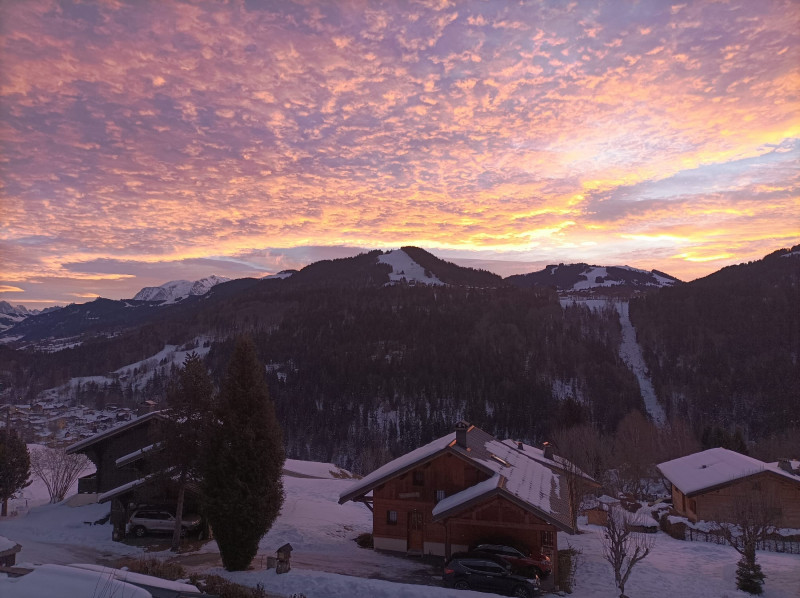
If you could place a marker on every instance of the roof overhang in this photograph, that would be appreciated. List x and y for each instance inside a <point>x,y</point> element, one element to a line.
<point>500,491</point>
<point>86,443</point>
<point>730,482</point>
<point>450,449</point>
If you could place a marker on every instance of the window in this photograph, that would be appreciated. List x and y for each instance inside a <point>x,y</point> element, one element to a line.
<point>440,494</point>
<point>693,506</point>
<point>391,517</point>
<point>419,477</point>
<point>548,539</point>
<point>487,567</point>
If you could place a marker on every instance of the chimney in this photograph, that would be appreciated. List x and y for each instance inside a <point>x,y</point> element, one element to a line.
<point>519,445</point>
<point>785,465</point>
<point>461,433</point>
<point>548,450</point>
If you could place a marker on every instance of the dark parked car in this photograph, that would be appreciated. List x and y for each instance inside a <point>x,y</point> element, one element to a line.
<point>488,573</point>
<point>522,561</point>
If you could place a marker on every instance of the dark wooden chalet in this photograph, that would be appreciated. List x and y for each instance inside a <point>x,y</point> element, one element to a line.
<point>464,489</point>
<point>128,471</point>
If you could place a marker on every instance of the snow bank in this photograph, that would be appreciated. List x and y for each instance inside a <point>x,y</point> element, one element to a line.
<point>68,582</point>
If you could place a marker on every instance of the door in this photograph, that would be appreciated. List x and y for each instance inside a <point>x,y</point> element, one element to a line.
<point>415,531</point>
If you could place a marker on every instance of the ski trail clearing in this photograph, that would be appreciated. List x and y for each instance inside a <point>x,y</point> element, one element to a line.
<point>631,354</point>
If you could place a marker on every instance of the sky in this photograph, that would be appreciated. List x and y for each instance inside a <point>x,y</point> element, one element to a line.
<point>142,142</point>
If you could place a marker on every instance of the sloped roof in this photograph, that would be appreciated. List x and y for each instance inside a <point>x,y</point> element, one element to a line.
<point>138,454</point>
<point>557,462</point>
<point>87,442</point>
<point>397,467</point>
<point>515,474</point>
<point>713,468</point>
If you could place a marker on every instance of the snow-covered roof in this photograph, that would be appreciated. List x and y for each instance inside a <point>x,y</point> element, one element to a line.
<point>521,475</point>
<point>139,579</point>
<point>314,469</point>
<point>87,442</point>
<point>105,496</point>
<point>7,545</point>
<point>68,582</point>
<point>135,455</point>
<point>556,462</point>
<point>396,467</point>
<point>454,502</point>
<point>715,467</point>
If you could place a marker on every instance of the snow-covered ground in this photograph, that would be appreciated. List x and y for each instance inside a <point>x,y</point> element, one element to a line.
<point>137,374</point>
<point>326,562</point>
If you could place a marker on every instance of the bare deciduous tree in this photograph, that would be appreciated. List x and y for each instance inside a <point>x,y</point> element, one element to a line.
<point>754,518</point>
<point>623,547</point>
<point>581,452</point>
<point>635,453</point>
<point>57,470</point>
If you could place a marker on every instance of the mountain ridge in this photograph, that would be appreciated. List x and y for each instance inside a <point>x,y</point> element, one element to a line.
<point>175,290</point>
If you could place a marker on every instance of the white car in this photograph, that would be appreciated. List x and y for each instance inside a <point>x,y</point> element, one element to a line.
<point>149,520</point>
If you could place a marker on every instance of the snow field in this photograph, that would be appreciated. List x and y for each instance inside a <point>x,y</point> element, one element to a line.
<point>326,562</point>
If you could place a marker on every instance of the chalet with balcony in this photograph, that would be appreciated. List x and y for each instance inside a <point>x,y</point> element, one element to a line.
<point>467,488</point>
<point>710,484</point>
<point>128,472</point>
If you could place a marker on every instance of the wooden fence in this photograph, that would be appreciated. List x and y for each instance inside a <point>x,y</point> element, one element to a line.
<point>771,545</point>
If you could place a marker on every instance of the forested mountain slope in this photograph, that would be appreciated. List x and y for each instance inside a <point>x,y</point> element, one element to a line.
<point>724,350</point>
<point>383,370</point>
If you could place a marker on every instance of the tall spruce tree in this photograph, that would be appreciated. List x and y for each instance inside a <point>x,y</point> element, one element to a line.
<point>243,461</point>
<point>189,399</point>
<point>15,466</point>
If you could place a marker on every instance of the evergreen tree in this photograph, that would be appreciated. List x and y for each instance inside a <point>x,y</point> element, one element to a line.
<point>189,398</point>
<point>243,462</point>
<point>15,466</point>
<point>749,576</point>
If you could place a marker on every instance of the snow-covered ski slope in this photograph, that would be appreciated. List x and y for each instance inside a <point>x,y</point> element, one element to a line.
<point>631,354</point>
<point>405,268</point>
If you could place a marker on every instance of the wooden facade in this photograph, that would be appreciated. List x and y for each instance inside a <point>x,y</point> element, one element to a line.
<point>403,513</point>
<point>124,457</point>
<point>466,489</point>
<point>411,496</point>
<point>108,448</point>
<point>720,503</point>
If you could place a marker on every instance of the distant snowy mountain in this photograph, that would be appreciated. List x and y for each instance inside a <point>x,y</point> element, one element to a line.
<point>13,314</point>
<point>176,290</point>
<point>280,275</point>
<point>584,277</point>
<point>405,268</point>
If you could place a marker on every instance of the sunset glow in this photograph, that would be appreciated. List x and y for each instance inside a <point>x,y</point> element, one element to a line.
<point>147,141</point>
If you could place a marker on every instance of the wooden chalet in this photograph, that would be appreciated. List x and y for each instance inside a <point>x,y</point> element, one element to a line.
<point>710,484</point>
<point>464,489</point>
<point>127,473</point>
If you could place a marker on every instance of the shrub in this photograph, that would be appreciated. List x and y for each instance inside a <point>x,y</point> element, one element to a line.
<point>568,562</point>
<point>156,568</point>
<point>219,586</point>
<point>365,541</point>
